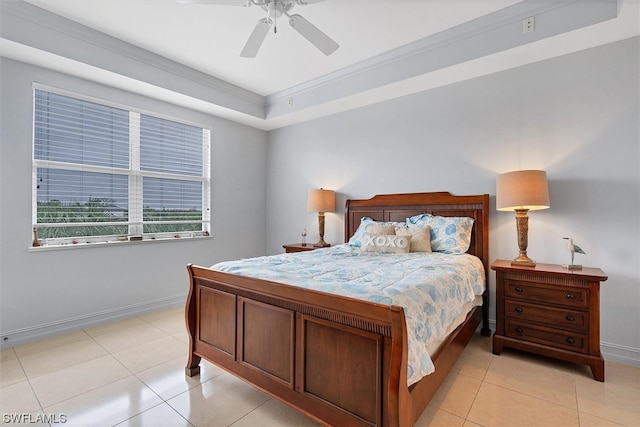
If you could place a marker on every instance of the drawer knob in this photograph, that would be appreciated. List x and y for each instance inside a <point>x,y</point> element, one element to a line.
<point>519,330</point>
<point>518,289</point>
<point>570,296</point>
<point>571,340</point>
<point>570,318</point>
<point>519,309</point>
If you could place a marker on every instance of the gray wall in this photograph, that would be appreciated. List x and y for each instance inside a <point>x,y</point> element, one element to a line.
<point>55,290</point>
<point>576,116</point>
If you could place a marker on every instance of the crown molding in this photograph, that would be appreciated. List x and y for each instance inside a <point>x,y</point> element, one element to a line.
<point>37,28</point>
<point>489,34</point>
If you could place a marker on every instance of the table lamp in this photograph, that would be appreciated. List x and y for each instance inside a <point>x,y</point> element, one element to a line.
<point>522,191</point>
<point>321,201</point>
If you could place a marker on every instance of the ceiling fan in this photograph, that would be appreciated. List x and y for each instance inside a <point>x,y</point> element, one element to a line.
<point>275,9</point>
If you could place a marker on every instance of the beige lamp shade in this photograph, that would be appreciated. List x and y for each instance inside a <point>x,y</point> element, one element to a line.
<point>321,201</point>
<point>524,189</point>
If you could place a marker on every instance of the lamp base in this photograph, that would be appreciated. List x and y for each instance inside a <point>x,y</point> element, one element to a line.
<point>522,225</point>
<point>524,261</point>
<point>572,266</point>
<point>321,243</point>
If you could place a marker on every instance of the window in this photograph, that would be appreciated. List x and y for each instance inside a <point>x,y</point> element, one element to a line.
<point>106,173</point>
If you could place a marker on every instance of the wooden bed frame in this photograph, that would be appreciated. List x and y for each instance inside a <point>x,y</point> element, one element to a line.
<point>340,361</point>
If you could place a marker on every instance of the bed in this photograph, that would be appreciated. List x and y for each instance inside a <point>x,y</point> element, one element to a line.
<point>340,360</point>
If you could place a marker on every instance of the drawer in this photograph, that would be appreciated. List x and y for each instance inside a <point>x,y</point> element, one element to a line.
<point>547,336</point>
<point>564,318</point>
<point>547,294</point>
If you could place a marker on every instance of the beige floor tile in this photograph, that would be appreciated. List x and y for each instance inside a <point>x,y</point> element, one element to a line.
<point>107,405</point>
<point>456,394</point>
<point>476,358</point>
<point>70,382</point>
<point>438,418</point>
<point>587,420</point>
<point>75,375</point>
<point>49,344</point>
<point>11,372</point>
<point>169,379</point>
<point>18,398</point>
<point>171,325</point>
<point>275,414</point>
<point>116,326</point>
<point>162,415</point>
<point>540,378</point>
<point>152,353</point>
<point>46,362</point>
<point>616,399</point>
<point>496,406</point>
<point>7,354</point>
<point>182,336</point>
<point>218,402</point>
<point>157,315</point>
<point>133,336</point>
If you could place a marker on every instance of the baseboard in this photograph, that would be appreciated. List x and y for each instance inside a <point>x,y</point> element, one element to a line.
<point>38,332</point>
<point>620,354</point>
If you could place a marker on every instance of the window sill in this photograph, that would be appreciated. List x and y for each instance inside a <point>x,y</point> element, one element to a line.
<point>102,244</point>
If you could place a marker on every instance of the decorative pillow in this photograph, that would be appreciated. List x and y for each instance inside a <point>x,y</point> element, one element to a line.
<point>378,228</point>
<point>366,222</point>
<point>420,237</point>
<point>386,243</point>
<point>449,234</point>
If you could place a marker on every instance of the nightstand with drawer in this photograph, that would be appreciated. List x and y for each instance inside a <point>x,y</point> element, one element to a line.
<point>300,247</point>
<point>551,311</point>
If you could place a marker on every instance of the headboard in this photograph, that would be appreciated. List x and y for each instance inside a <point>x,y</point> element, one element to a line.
<point>398,207</point>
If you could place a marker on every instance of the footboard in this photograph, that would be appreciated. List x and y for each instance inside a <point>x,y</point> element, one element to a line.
<point>339,360</point>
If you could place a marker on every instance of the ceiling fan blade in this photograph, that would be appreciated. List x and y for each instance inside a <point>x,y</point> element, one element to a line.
<point>256,38</point>
<point>219,2</point>
<point>313,34</point>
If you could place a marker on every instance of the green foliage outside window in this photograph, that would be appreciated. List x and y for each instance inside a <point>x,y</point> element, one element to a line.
<point>97,210</point>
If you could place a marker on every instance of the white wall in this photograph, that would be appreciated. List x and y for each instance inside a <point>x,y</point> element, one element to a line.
<point>576,116</point>
<point>48,291</point>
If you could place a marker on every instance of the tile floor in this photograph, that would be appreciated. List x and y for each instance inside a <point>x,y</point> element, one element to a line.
<point>131,373</point>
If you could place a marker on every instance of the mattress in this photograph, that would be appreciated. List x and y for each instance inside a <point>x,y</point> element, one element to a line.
<point>436,290</point>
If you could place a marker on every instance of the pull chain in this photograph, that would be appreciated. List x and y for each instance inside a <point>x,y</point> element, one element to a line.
<point>275,18</point>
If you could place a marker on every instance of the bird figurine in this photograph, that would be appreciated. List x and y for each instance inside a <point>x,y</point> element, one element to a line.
<point>574,249</point>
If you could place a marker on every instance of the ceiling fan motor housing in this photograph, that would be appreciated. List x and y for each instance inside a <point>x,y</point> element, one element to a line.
<point>276,8</point>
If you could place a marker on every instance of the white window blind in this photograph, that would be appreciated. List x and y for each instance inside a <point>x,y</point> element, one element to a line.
<point>103,172</point>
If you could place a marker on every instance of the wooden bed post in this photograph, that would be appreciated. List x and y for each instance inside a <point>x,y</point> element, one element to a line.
<point>399,352</point>
<point>190,314</point>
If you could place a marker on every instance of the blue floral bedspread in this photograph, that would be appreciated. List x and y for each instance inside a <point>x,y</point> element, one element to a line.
<point>433,288</point>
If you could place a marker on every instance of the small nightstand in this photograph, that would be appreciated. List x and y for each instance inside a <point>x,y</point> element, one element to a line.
<point>551,311</point>
<point>299,247</point>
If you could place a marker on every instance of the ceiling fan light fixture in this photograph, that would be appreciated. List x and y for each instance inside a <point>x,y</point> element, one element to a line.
<point>275,9</point>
